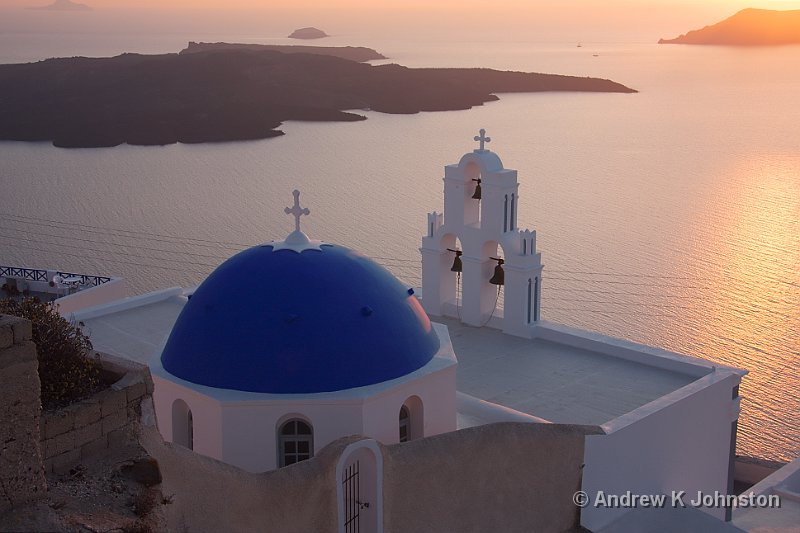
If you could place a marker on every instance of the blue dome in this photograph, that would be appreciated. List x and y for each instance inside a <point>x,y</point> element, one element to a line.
<point>287,322</point>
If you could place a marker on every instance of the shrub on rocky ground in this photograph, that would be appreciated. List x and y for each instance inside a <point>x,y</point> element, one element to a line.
<point>66,371</point>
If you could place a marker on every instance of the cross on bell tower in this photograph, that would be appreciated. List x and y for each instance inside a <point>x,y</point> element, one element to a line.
<point>483,139</point>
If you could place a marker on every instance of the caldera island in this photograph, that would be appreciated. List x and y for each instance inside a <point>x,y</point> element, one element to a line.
<point>749,27</point>
<point>234,93</point>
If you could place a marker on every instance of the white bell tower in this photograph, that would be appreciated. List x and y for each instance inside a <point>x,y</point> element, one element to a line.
<point>482,226</point>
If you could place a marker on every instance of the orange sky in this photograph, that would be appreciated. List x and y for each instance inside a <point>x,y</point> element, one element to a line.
<point>422,5</point>
<point>651,18</point>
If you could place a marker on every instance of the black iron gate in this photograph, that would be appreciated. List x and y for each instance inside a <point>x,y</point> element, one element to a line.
<point>352,498</point>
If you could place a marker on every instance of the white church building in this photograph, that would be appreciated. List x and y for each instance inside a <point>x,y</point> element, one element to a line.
<point>325,343</point>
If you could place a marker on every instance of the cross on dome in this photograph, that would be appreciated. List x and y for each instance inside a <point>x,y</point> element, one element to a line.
<point>296,210</point>
<point>483,139</point>
<point>296,240</point>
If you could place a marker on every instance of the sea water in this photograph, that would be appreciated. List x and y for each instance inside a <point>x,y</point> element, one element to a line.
<point>670,217</point>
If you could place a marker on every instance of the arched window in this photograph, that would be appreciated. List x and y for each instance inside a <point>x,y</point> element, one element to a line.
<point>411,419</point>
<point>189,430</point>
<point>472,205</point>
<point>405,424</point>
<point>295,442</point>
<point>182,424</point>
<point>530,292</point>
<point>505,214</point>
<point>512,220</point>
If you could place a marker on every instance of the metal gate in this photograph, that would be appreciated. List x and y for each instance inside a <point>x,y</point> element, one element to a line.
<point>352,499</point>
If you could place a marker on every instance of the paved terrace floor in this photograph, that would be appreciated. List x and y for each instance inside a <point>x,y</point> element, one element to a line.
<point>545,379</point>
<point>553,381</point>
<point>135,333</point>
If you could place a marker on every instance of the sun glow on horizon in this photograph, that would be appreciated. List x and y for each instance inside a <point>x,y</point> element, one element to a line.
<point>454,6</point>
<point>612,20</point>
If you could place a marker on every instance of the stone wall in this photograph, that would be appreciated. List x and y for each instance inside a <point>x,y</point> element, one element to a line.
<point>498,477</point>
<point>511,477</point>
<point>209,495</point>
<point>21,474</point>
<point>108,419</point>
<point>508,476</point>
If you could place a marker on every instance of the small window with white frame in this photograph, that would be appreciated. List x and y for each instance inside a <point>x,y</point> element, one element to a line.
<point>405,424</point>
<point>295,442</point>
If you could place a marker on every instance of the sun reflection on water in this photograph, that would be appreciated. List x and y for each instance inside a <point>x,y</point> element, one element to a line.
<point>748,243</point>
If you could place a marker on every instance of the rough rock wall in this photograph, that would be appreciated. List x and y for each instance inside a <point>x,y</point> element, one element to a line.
<point>208,495</point>
<point>500,477</point>
<point>106,420</point>
<point>21,473</point>
<point>510,477</point>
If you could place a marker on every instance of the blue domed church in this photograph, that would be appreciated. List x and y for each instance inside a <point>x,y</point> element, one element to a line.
<point>292,344</point>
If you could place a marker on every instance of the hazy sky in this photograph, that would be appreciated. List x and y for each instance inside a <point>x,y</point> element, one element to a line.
<point>602,20</point>
<point>722,6</point>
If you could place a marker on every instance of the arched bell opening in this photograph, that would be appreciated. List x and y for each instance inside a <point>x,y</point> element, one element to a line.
<point>493,278</point>
<point>452,267</point>
<point>472,194</point>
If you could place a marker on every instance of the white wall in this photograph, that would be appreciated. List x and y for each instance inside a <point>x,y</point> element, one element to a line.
<point>110,291</point>
<point>206,415</point>
<point>250,439</point>
<point>624,349</point>
<point>240,427</point>
<point>489,413</point>
<point>249,428</point>
<point>125,304</point>
<point>679,442</point>
<point>438,394</point>
<point>115,289</point>
<point>243,433</point>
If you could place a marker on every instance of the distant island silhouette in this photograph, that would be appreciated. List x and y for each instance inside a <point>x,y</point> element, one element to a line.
<point>233,94</point>
<point>748,27</point>
<point>63,5</point>
<point>353,53</point>
<point>308,33</point>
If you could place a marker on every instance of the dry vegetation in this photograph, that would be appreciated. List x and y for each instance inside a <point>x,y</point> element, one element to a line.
<point>66,371</point>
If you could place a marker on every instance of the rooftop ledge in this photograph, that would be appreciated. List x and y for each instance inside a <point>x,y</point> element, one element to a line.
<point>567,375</point>
<point>561,374</point>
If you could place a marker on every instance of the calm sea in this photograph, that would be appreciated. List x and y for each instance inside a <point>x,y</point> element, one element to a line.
<point>669,217</point>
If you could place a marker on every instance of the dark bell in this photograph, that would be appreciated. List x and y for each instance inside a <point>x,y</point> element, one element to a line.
<point>458,266</point>
<point>477,194</point>
<point>499,276</point>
